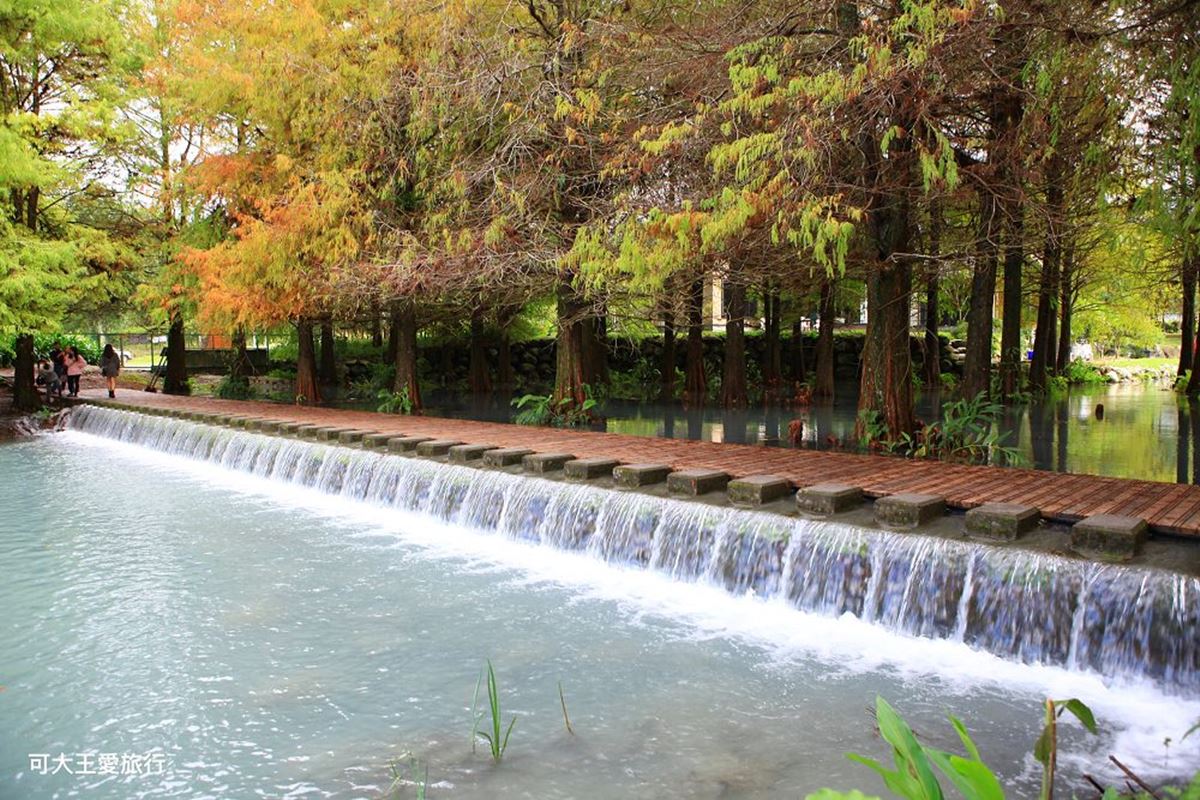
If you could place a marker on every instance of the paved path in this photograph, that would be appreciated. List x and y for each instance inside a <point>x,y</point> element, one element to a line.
<point>1169,508</point>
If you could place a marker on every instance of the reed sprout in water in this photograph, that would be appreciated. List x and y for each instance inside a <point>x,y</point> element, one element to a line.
<point>563,702</point>
<point>497,744</point>
<point>404,771</point>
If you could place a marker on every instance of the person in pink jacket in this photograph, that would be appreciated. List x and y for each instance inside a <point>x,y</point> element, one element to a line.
<point>75,364</point>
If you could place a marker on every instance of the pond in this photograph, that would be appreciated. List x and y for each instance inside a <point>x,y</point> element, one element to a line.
<point>1131,430</point>
<point>261,637</point>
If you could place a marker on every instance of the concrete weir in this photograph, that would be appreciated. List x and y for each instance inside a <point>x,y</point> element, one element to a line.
<point>1019,599</point>
<point>1102,537</point>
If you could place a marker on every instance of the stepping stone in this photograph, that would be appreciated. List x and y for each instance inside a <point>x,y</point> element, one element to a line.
<point>829,498</point>
<point>377,439</point>
<point>267,426</point>
<point>586,469</point>
<point>633,476</point>
<point>309,431</point>
<point>293,428</point>
<point>467,453</point>
<point>1005,522</point>
<point>1109,537</point>
<point>541,463</point>
<point>908,510</point>
<point>436,447</point>
<point>331,433</point>
<point>695,482</point>
<point>505,456</point>
<point>351,437</point>
<point>406,444</point>
<point>757,490</point>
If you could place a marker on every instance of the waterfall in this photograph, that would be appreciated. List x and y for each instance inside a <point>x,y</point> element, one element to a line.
<point>1120,622</point>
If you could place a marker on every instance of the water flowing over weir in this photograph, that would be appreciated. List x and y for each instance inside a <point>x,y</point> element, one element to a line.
<point>1120,622</point>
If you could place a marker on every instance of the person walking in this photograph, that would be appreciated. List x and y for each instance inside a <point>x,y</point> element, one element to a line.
<point>74,364</point>
<point>110,368</point>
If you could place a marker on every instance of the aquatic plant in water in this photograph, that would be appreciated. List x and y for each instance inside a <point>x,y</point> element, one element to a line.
<point>404,772</point>
<point>916,765</point>
<point>496,744</point>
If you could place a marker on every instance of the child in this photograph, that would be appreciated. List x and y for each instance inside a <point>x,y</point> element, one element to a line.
<point>47,377</point>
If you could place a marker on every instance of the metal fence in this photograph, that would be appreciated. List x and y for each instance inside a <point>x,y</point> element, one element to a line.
<point>144,350</point>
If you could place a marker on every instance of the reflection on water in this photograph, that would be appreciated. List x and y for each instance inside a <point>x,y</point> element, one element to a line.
<point>1125,430</point>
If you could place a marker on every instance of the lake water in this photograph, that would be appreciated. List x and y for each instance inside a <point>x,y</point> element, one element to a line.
<point>260,639</point>
<point>1131,430</point>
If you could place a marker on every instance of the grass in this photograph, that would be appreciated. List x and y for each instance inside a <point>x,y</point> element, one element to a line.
<point>1136,363</point>
<point>497,744</point>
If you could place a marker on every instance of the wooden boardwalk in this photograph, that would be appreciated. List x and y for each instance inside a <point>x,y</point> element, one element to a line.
<point>1168,508</point>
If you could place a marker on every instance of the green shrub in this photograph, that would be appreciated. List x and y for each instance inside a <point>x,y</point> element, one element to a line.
<point>87,346</point>
<point>235,388</point>
<point>1081,372</point>
<point>640,383</point>
<point>391,402</point>
<point>540,409</point>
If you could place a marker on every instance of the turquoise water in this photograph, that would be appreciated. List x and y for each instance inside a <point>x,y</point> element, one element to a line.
<point>265,641</point>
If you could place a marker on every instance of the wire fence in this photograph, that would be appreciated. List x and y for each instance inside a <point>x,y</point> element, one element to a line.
<point>144,350</point>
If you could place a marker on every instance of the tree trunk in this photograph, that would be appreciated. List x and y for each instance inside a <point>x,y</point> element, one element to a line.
<point>240,369</point>
<point>733,379</point>
<point>393,338</point>
<point>1010,330</point>
<point>887,350</point>
<point>977,366</point>
<point>25,392</point>
<point>376,328</point>
<point>799,368</point>
<point>1045,338</point>
<point>933,342</point>
<point>595,350</point>
<point>666,392</point>
<point>404,328</point>
<point>695,384</point>
<point>478,378</point>
<point>307,388</point>
<point>327,370</point>
<point>31,208</point>
<point>1192,389</point>
<point>1188,323</point>
<point>175,381</point>
<point>1065,304</point>
<point>505,379</point>
<point>772,368</point>
<point>569,374</point>
<point>826,358</point>
<point>1008,117</point>
<point>886,382</point>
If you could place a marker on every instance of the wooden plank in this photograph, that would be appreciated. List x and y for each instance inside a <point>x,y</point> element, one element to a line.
<point>1144,500</point>
<point>1170,499</point>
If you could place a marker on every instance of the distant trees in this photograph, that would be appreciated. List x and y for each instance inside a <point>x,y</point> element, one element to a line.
<point>62,69</point>
<point>321,162</point>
